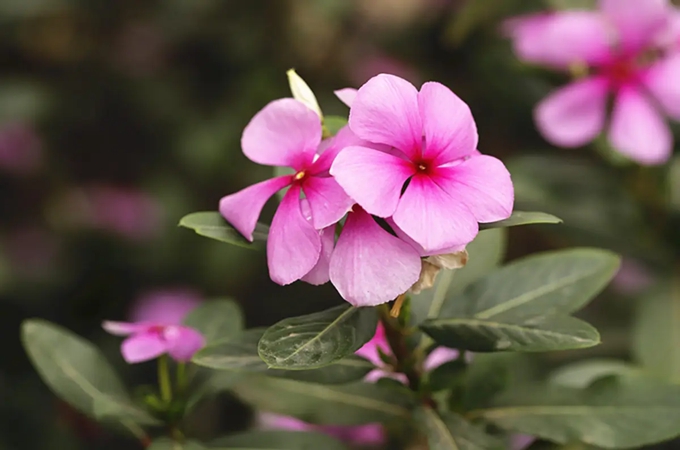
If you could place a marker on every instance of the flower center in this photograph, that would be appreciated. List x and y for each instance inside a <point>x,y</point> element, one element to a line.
<point>300,175</point>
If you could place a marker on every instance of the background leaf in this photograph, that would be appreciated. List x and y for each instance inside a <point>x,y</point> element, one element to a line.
<point>168,444</point>
<point>451,432</point>
<point>216,319</point>
<point>78,373</point>
<point>334,123</point>
<point>582,374</point>
<point>318,339</point>
<point>211,224</point>
<point>278,440</point>
<point>522,218</point>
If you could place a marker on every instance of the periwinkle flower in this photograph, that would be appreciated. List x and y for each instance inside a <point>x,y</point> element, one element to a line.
<point>168,306</point>
<point>629,49</point>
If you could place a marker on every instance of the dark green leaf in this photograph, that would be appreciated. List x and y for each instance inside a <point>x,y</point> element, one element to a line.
<point>612,413</point>
<point>486,377</point>
<point>319,339</point>
<point>583,373</point>
<point>79,374</point>
<point>334,123</point>
<point>352,404</point>
<point>522,218</point>
<point>168,444</point>
<point>216,320</point>
<point>211,224</point>
<point>278,440</point>
<point>539,334</point>
<point>447,375</point>
<point>451,432</point>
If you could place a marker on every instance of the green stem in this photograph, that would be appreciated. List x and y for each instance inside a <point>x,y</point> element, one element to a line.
<point>164,379</point>
<point>400,350</point>
<point>181,376</point>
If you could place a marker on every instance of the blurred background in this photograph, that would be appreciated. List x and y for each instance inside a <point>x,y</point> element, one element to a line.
<point>118,117</point>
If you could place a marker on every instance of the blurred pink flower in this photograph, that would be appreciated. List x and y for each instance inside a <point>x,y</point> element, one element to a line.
<point>20,148</point>
<point>632,277</point>
<point>165,306</point>
<point>368,434</point>
<point>148,340</point>
<point>619,43</point>
<point>521,441</point>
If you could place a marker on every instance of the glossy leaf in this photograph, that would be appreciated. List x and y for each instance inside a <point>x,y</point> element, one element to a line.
<point>216,320</point>
<point>278,440</point>
<point>211,224</point>
<point>352,404</point>
<point>79,374</point>
<point>449,431</point>
<point>612,413</point>
<point>318,339</point>
<point>522,218</point>
<point>538,334</point>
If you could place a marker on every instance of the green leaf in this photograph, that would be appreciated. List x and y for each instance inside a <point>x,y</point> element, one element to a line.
<point>78,373</point>
<point>168,444</point>
<point>447,375</point>
<point>612,413</point>
<point>451,432</point>
<point>211,224</point>
<point>547,283</point>
<point>351,404</point>
<point>278,440</point>
<point>573,4</point>
<point>486,377</point>
<point>318,339</point>
<point>522,218</point>
<point>240,355</point>
<point>538,334</point>
<point>334,123</point>
<point>582,374</point>
<point>656,334</point>
<point>216,320</point>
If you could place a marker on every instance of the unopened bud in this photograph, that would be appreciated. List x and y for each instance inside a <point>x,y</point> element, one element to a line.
<point>302,92</point>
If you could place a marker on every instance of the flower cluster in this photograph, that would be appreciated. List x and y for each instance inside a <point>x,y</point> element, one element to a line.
<point>627,49</point>
<point>404,174</point>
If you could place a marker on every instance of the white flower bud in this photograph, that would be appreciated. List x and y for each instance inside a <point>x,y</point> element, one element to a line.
<point>302,92</point>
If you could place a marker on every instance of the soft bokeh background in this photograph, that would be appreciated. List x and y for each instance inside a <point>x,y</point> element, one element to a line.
<point>118,117</point>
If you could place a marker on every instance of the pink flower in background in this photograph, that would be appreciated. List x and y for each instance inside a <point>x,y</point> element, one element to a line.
<point>521,441</point>
<point>633,277</point>
<point>619,44</point>
<point>431,141</point>
<point>166,306</point>
<point>286,133</point>
<point>368,434</point>
<point>20,148</point>
<point>148,340</point>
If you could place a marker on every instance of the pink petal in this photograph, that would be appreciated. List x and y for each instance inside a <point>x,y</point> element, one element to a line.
<point>637,22</point>
<point>125,328</point>
<point>319,274</point>
<point>346,95</point>
<point>419,248</point>
<point>432,218</point>
<point>183,342</point>
<point>283,133</point>
<point>243,208</point>
<point>560,39</point>
<point>385,111</point>
<point>327,200</point>
<point>575,114</point>
<point>165,306</point>
<point>449,128</point>
<point>344,138</point>
<point>370,266</point>
<point>370,349</point>
<point>662,82</point>
<point>374,179</point>
<point>143,347</point>
<point>483,184</point>
<point>293,246</point>
<point>271,421</point>
<point>439,356</point>
<point>638,130</point>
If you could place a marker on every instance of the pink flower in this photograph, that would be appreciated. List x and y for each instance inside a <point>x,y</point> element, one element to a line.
<point>286,133</point>
<point>618,44</point>
<point>424,145</point>
<point>368,434</point>
<point>20,148</point>
<point>148,340</point>
<point>166,306</point>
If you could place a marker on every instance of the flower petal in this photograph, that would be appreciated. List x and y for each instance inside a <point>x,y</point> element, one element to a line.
<point>346,95</point>
<point>662,82</point>
<point>183,342</point>
<point>369,266</point>
<point>432,218</point>
<point>405,237</point>
<point>385,111</point>
<point>575,114</point>
<point>370,350</point>
<point>294,246</point>
<point>637,22</point>
<point>439,356</point>
<point>327,200</point>
<point>449,128</point>
<point>125,328</point>
<point>319,274</point>
<point>272,421</point>
<point>143,347</point>
<point>638,130</point>
<point>283,133</point>
<point>560,39</point>
<point>243,208</point>
<point>374,179</point>
<point>344,138</point>
<point>483,184</point>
